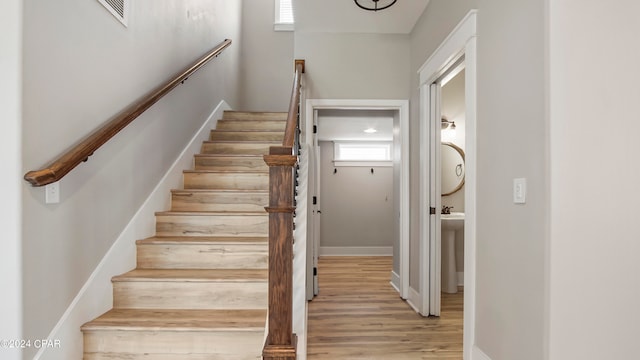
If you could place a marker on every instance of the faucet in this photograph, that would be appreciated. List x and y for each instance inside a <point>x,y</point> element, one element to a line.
<point>446,209</point>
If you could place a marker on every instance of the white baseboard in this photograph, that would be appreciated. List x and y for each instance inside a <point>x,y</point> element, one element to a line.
<point>356,251</point>
<point>414,298</point>
<point>395,281</point>
<point>96,296</point>
<point>477,354</point>
<point>460,278</point>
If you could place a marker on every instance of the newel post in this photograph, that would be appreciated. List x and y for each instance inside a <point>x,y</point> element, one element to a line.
<point>281,342</point>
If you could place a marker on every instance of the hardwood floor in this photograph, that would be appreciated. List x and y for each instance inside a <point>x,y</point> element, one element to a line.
<point>358,315</point>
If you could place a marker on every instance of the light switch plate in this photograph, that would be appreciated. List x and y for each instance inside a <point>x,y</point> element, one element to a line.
<point>52,193</point>
<point>519,191</point>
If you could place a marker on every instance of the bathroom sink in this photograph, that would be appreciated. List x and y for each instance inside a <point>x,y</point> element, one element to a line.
<point>451,224</point>
<point>453,221</point>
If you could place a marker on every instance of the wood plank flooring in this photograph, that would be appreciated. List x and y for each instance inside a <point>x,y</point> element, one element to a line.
<point>358,315</point>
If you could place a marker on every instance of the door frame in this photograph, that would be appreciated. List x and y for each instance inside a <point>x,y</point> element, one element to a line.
<point>460,42</point>
<point>399,281</point>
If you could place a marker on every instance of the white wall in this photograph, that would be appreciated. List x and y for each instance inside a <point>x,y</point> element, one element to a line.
<point>10,139</point>
<point>357,206</point>
<point>81,67</point>
<point>266,59</point>
<point>594,267</point>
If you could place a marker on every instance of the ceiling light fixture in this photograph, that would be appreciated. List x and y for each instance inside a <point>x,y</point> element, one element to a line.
<point>371,131</point>
<point>374,5</point>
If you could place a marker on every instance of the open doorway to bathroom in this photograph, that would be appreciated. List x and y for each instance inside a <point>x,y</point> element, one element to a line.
<point>460,47</point>
<point>452,175</point>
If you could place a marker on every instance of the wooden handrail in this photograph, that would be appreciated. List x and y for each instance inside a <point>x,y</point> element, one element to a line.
<point>66,162</point>
<point>294,103</point>
<point>281,341</point>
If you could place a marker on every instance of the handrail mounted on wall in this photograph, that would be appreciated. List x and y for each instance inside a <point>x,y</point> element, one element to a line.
<point>66,162</point>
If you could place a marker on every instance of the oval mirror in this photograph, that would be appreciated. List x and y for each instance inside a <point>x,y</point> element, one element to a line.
<point>452,168</point>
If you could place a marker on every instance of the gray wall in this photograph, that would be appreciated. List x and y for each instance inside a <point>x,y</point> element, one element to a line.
<point>357,206</point>
<point>594,147</point>
<point>266,59</point>
<point>11,181</point>
<point>511,142</point>
<point>81,66</point>
<point>354,66</point>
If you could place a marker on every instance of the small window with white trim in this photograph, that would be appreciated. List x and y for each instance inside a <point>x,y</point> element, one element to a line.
<point>362,153</point>
<point>284,15</point>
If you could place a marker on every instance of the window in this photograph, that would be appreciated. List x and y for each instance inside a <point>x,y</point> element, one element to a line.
<point>362,154</point>
<point>284,15</point>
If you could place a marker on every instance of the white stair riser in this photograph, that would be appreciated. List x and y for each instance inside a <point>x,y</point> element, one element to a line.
<point>189,295</point>
<point>229,181</point>
<point>213,225</point>
<point>225,345</point>
<point>198,256</point>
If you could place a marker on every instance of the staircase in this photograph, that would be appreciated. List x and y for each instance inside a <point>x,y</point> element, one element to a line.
<point>200,289</point>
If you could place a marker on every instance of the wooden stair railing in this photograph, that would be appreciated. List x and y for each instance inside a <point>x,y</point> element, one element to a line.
<point>281,341</point>
<point>66,162</point>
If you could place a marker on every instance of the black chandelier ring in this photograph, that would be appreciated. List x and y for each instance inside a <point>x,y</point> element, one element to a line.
<point>373,5</point>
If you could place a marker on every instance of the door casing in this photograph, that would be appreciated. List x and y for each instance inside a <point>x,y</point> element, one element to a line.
<point>402,107</point>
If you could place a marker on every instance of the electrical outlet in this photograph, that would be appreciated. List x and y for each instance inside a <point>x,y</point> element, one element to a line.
<point>52,193</point>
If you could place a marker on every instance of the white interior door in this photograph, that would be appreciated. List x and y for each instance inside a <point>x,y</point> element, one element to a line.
<point>435,200</point>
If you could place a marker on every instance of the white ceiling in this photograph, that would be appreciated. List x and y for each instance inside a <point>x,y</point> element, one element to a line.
<point>341,125</point>
<point>344,16</point>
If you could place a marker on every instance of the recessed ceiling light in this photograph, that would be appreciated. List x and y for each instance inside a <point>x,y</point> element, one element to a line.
<point>371,131</point>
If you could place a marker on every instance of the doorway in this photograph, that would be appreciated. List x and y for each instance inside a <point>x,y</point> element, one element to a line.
<point>459,46</point>
<point>400,110</point>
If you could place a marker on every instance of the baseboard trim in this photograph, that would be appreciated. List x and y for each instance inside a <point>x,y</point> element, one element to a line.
<point>414,298</point>
<point>356,251</point>
<point>477,354</point>
<point>395,281</point>
<point>96,295</point>
<point>460,278</point>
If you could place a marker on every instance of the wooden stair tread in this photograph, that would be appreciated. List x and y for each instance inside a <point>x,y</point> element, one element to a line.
<point>243,172</point>
<point>210,213</point>
<point>239,156</point>
<point>248,131</point>
<point>172,320</point>
<point>194,275</point>
<point>225,191</point>
<point>203,240</point>
<point>241,142</point>
<point>270,121</point>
